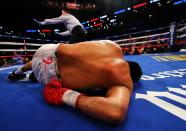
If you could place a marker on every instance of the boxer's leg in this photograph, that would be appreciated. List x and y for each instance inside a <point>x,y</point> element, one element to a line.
<point>18,74</point>
<point>27,67</point>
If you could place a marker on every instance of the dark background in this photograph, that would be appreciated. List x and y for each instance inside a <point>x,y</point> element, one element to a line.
<point>17,15</point>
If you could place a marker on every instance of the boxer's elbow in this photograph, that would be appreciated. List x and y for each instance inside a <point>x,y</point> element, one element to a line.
<point>116,116</point>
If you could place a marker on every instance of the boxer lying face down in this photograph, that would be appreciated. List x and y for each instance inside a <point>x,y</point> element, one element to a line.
<point>64,68</point>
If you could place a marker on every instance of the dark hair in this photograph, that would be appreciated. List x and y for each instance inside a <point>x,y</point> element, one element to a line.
<point>135,71</point>
<point>66,10</point>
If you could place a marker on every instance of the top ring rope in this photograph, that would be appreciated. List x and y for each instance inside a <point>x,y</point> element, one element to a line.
<point>181,29</point>
<point>16,43</point>
<point>139,32</point>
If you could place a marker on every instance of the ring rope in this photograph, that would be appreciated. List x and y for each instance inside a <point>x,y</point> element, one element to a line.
<point>181,29</point>
<point>142,42</point>
<point>11,50</point>
<point>16,43</point>
<point>147,36</point>
<point>144,31</point>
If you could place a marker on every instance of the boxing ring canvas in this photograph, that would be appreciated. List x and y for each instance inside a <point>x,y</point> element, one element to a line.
<point>158,102</point>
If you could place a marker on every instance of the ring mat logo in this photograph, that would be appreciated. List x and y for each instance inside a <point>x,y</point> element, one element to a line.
<point>153,97</point>
<point>170,58</point>
<point>178,73</point>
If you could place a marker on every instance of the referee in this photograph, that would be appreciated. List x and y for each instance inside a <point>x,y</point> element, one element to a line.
<point>73,26</point>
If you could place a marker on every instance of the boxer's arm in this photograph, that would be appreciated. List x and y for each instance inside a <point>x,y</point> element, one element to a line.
<point>112,108</point>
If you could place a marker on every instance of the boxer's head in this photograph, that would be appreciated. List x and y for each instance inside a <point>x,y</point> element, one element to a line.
<point>135,71</point>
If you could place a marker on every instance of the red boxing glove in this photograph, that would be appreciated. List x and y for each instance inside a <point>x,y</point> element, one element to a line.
<point>53,92</point>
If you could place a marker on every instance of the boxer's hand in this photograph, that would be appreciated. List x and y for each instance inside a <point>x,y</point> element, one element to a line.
<point>53,92</point>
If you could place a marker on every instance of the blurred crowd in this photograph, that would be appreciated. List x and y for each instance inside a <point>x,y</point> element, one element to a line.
<point>146,48</point>
<point>14,58</point>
